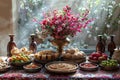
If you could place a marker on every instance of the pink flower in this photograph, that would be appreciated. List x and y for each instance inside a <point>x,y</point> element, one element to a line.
<point>62,25</point>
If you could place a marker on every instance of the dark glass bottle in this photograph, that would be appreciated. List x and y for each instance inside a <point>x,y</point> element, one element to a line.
<point>100,45</point>
<point>33,44</point>
<point>11,44</point>
<point>111,46</point>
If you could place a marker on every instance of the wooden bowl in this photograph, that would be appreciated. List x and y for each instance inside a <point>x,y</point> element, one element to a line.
<point>94,68</point>
<point>32,70</point>
<point>108,68</point>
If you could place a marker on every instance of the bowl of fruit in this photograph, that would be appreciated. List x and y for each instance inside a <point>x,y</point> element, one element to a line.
<point>97,57</point>
<point>19,60</point>
<point>109,65</point>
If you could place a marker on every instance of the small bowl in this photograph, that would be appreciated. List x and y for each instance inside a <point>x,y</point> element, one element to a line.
<point>88,68</point>
<point>32,70</point>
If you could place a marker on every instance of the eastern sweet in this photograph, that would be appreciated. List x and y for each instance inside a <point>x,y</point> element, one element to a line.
<point>98,56</point>
<point>46,55</point>
<point>74,54</point>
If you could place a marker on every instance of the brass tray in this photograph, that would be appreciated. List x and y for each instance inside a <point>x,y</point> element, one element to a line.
<point>61,71</point>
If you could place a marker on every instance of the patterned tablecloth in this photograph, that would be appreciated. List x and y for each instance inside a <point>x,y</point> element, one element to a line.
<point>15,74</point>
<point>43,74</point>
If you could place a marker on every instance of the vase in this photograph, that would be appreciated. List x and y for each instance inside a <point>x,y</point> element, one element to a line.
<point>33,44</point>
<point>60,43</point>
<point>11,44</point>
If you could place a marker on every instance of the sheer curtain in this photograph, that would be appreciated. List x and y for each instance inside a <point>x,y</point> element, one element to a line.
<point>101,10</point>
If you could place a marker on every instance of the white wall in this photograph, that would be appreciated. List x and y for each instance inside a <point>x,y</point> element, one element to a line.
<point>5,24</point>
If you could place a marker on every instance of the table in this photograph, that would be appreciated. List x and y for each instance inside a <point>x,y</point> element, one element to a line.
<point>15,74</point>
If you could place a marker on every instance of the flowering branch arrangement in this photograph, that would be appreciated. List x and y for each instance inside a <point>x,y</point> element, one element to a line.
<point>63,23</point>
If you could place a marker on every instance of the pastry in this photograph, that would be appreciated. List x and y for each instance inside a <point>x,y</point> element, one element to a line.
<point>16,51</point>
<point>46,55</point>
<point>74,54</point>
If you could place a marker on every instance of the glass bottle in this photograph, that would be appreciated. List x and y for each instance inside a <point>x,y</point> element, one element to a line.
<point>111,46</point>
<point>100,45</point>
<point>33,44</point>
<point>11,44</point>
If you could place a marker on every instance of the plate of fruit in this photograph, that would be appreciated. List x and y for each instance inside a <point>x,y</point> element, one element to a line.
<point>88,66</point>
<point>109,65</point>
<point>97,57</point>
<point>32,67</point>
<point>19,60</point>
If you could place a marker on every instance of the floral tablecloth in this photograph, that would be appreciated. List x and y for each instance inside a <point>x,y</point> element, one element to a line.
<point>20,74</point>
<point>43,74</point>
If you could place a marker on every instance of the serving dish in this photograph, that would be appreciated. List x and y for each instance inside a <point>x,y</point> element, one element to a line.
<point>19,60</point>
<point>97,57</point>
<point>87,66</point>
<point>76,61</point>
<point>32,67</point>
<point>109,65</point>
<point>21,64</point>
<point>61,67</point>
<point>4,66</point>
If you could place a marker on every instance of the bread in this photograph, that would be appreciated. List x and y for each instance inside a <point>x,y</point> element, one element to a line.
<point>74,54</point>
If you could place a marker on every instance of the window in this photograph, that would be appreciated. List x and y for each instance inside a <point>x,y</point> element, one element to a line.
<point>105,12</point>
